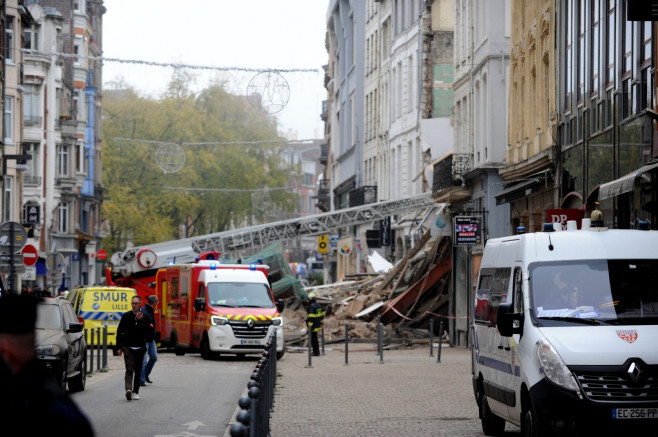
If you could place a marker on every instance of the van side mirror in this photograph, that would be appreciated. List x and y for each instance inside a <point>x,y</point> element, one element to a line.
<point>279,305</point>
<point>506,319</point>
<point>199,304</point>
<point>75,327</point>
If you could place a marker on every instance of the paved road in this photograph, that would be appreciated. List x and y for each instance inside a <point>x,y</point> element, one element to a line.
<point>189,397</point>
<point>409,395</point>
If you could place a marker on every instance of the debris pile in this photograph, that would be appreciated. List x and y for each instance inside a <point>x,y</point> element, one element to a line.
<point>405,298</point>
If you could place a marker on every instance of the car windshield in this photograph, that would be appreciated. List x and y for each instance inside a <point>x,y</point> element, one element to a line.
<point>239,294</point>
<point>48,317</point>
<point>613,291</point>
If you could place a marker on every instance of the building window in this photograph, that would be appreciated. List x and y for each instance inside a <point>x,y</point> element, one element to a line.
<point>9,39</point>
<point>63,217</point>
<point>9,120</point>
<point>7,201</point>
<point>31,38</point>
<point>32,149</point>
<point>63,160</point>
<point>610,49</point>
<point>31,104</point>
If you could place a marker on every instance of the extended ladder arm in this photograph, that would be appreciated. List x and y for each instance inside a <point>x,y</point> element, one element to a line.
<point>255,237</point>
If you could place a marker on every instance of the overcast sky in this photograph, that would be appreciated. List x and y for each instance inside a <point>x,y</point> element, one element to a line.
<point>260,34</point>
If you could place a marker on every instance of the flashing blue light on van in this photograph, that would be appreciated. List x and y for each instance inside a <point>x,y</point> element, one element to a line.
<point>213,266</point>
<point>548,227</point>
<point>520,229</point>
<point>252,267</point>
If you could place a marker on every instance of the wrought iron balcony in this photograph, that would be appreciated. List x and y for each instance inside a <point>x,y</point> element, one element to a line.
<point>363,195</point>
<point>449,172</point>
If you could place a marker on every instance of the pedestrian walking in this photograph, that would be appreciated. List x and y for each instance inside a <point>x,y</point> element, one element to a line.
<point>131,342</point>
<point>31,401</point>
<point>314,321</point>
<point>151,355</point>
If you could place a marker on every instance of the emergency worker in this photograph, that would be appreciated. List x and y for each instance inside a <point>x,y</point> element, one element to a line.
<point>314,321</point>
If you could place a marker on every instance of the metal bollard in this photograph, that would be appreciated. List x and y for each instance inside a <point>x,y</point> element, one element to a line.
<point>105,347</point>
<point>347,345</point>
<point>254,393</point>
<point>91,350</point>
<point>380,340</point>
<point>438,356</point>
<point>322,338</point>
<point>309,348</point>
<point>98,349</point>
<point>431,337</point>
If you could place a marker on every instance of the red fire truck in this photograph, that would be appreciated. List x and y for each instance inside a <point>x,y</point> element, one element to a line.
<point>218,308</point>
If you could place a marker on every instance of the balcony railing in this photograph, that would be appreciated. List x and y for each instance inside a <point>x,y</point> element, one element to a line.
<point>449,172</point>
<point>31,180</point>
<point>32,119</point>
<point>363,195</point>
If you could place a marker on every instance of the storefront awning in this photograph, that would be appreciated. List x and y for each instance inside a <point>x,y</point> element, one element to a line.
<point>626,184</point>
<point>519,190</point>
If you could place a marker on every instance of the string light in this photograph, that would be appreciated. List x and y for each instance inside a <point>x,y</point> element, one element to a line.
<point>170,64</point>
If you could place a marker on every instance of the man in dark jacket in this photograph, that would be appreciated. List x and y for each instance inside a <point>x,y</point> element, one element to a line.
<point>314,321</point>
<point>151,355</point>
<point>31,401</point>
<point>131,342</point>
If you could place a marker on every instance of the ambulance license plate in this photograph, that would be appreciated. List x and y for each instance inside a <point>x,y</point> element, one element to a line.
<point>635,413</point>
<point>250,341</point>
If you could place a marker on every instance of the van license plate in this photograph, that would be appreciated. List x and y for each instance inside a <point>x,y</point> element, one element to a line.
<point>249,341</point>
<point>635,413</point>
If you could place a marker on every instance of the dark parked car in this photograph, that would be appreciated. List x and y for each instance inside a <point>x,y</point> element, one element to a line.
<point>61,344</point>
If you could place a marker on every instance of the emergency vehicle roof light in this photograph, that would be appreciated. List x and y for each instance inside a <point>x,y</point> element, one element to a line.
<point>643,225</point>
<point>548,227</point>
<point>213,266</point>
<point>520,229</point>
<point>252,267</point>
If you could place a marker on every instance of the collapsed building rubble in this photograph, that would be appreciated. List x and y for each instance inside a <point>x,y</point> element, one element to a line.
<point>404,299</point>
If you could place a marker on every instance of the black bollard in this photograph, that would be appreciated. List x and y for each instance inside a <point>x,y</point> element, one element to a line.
<point>98,348</point>
<point>309,348</point>
<point>438,356</point>
<point>347,345</point>
<point>380,341</point>
<point>254,392</point>
<point>431,337</point>
<point>104,347</point>
<point>91,350</point>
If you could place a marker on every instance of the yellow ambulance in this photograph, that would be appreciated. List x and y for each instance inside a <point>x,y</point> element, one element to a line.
<point>99,306</point>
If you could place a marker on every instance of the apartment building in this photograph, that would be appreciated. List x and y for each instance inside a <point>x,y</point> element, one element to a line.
<point>62,195</point>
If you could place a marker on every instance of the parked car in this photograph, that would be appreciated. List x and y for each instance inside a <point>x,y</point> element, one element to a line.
<point>60,343</point>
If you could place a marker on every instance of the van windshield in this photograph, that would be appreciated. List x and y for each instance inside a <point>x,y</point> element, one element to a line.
<point>612,291</point>
<point>239,294</point>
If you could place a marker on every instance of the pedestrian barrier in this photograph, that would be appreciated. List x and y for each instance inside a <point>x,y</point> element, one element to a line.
<point>253,419</point>
<point>97,345</point>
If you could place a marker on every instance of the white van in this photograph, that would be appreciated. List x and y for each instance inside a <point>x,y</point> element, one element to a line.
<point>565,332</point>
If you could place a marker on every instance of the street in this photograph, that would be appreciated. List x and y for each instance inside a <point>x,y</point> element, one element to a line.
<point>189,396</point>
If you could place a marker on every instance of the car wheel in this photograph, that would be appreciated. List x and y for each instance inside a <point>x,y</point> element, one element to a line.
<point>491,424</point>
<point>63,372</point>
<point>78,382</point>
<point>530,424</point>
<point>280,355</point>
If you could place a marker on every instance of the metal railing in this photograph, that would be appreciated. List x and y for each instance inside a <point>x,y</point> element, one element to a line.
<point>253,419</point>
<point>96,344</point>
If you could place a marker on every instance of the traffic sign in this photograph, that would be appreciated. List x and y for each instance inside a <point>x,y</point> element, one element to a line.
<point>12,237</point>
<point>7,269</point>
<point>101,255</point>
<point>30,255</point>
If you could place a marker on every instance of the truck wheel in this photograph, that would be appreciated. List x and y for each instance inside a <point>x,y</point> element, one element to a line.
<point>78,382</point>
<point>280,355</point>
<point>206,353</point>
<point>179,351</point>
<point>530,424</point>
<point>491,424</point>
